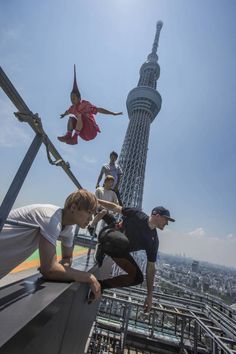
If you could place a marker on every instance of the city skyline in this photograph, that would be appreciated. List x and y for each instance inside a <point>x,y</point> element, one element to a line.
<point>191,159</point>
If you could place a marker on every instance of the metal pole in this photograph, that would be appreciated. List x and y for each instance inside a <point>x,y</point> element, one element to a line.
<point>19,178</point>
<point>183,323</point>
<point>126,324</point>
<point>195,337</point>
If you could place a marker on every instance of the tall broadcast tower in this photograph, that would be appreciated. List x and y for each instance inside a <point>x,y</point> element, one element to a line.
<point>143,104</point>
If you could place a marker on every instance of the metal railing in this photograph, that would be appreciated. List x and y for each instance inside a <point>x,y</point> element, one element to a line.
<point>172,326</point>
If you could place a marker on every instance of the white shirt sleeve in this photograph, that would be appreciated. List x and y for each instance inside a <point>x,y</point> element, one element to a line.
<point>46,216</point>
<point>51,227</point>
<point>98,193</point>
<point>67,236</point>
<point>49,222</point>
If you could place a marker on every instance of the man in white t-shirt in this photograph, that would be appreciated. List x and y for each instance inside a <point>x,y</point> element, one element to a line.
<point>104,193</point>
<point>17,242</point>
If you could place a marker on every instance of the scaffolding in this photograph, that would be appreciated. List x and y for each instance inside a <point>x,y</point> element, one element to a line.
<point>180,321</point>
<point>174,325</point>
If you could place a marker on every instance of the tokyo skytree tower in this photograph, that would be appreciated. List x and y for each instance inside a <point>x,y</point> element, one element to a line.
<point>143,104</point>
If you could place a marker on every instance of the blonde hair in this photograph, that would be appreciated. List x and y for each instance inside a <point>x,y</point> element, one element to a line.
<point>83,199</point>
<point>109,178</point>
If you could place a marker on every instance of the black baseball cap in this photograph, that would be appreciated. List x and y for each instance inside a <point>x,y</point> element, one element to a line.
<point>162,212</point>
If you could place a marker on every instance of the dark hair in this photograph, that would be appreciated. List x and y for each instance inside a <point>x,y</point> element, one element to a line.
<point>114,153</point>
<point>77,93</point>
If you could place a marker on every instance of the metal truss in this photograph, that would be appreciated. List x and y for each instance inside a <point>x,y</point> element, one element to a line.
<point>180,321</point>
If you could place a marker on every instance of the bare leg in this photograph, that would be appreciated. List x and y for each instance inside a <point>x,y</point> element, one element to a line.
<point>68,139</point>
<point>70,125</point>
<point>79,124</point>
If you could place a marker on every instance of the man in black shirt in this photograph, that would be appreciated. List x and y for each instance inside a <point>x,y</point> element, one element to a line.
<point>138,233</point>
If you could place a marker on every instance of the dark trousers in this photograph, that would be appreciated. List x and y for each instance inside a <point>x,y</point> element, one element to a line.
<point>116,245</point>
<point>109,219</point>
<point>118,196</point>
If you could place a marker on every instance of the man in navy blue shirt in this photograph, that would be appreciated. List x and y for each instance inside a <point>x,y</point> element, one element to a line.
<point>138,233</point>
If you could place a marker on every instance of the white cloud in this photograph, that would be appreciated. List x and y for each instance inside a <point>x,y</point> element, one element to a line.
<point>199,232</point>
<point>207,248</point>
<point>11,133</point>
<point>230,237</point>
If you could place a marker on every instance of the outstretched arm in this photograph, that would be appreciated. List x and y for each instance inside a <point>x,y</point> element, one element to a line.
<point>110,206</point>
<point>150,275</point>
<point>64,114</point>
<point>100,177</point>
<point>105,111</point>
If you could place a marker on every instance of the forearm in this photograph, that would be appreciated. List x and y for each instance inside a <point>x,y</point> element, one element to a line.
<point>150,276</point>
<point>100,176</point>
<point>65,273</point>
<point>110,206</point>
<point>104,111</point>
<point>98,217</point>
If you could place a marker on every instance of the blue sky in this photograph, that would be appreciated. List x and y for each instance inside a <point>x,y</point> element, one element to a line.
<point>191,158</point>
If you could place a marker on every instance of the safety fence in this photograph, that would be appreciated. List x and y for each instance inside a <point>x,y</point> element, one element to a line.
<point>170,327</point>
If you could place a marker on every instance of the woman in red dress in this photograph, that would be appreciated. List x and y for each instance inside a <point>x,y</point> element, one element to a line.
<point>82,121</point>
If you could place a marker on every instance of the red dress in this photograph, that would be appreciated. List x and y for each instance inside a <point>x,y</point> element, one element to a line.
<point>87,111</point>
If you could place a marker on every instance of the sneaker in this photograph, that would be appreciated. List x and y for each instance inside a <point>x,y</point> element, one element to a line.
<point>63,138</point>
<point>99,255</point>
<point>72,140</point>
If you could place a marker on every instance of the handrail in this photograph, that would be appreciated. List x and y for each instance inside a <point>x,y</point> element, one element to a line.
<point>211,334</point>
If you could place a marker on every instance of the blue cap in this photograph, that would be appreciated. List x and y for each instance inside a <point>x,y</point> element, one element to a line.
<point>162,212</point>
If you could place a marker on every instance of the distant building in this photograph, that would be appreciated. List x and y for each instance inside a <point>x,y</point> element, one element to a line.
<point>195,266</point>
<point>233,306</point>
